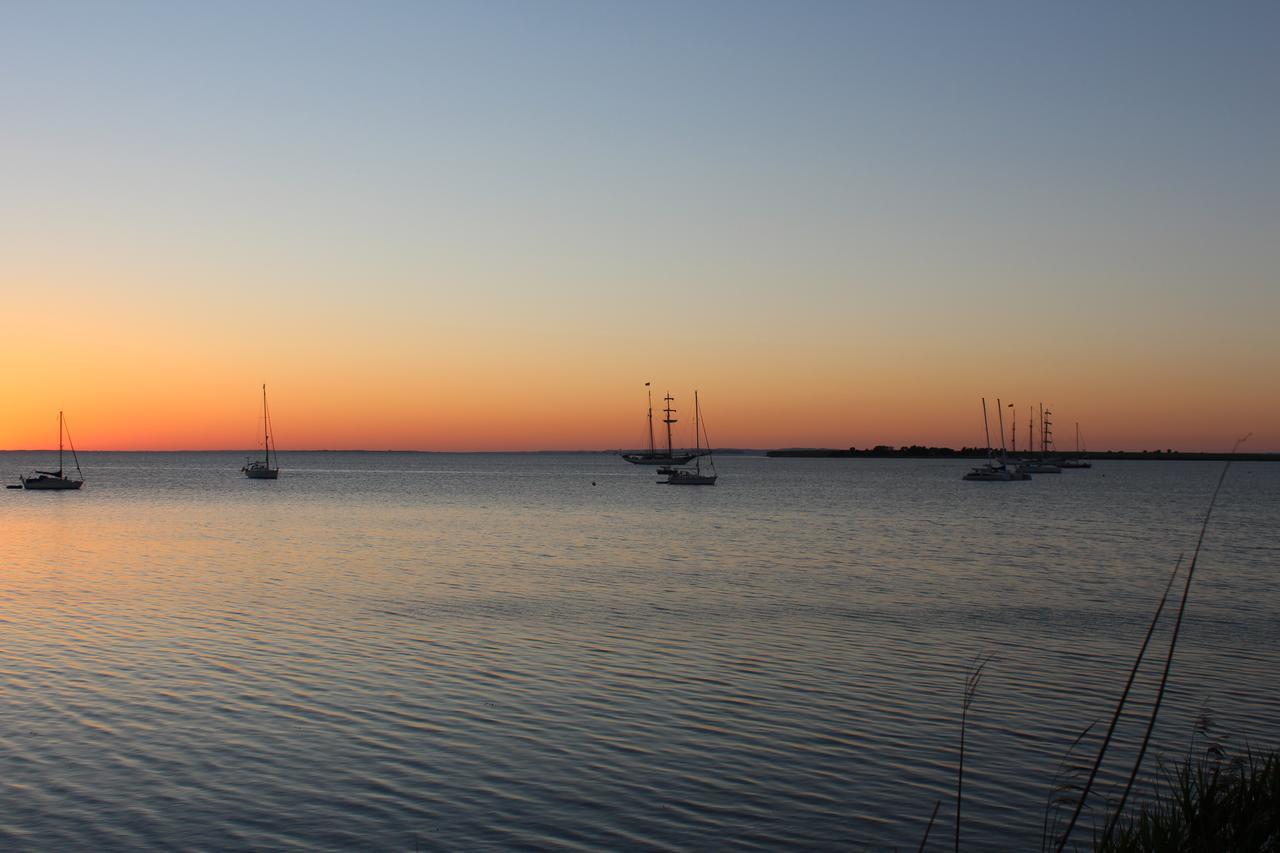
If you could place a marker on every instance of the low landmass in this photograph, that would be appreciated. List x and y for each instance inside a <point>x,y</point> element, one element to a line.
<point>917,451</point>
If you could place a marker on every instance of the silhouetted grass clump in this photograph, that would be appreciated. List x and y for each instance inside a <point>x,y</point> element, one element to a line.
<point>1203,805</point>
<point>1207,804</point>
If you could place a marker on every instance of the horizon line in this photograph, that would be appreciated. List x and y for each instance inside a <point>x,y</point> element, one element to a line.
<point>615,450</point>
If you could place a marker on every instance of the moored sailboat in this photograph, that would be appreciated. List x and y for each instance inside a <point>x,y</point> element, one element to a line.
<point>1045,462</point>
<point>56,480</point>
<point>1075,461</point>
<point>995,470</point>
<point>695,476</point>
<point>655,456</point>
<point>260,469</point>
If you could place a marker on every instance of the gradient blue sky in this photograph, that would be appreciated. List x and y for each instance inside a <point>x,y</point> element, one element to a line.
<point>872,212</point>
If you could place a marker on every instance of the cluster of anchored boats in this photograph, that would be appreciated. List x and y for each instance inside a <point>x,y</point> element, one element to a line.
<point>674,464</point>
<point>1043,461</point>
<point>680,467</point>
<point>254,469</point>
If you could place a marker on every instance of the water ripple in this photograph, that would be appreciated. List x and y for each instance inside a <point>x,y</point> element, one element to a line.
<point>484,652</point>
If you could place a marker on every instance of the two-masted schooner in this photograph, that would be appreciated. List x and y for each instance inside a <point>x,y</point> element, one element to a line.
<point>654,455</point>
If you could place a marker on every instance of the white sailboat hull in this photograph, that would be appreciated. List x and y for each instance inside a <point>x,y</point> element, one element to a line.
<point>996,474</point>
<point>689,478</point>
<point>694,476</point>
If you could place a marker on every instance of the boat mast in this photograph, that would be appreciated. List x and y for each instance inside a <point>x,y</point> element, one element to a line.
<point>59,443</point>
<point>72,443</point>
<point>1014,419</point>
<point>649,391</point>
<point>703,428</point>
<point>986,427</point>
<point>1000,410</point>
<point>698,445</point>
<point>266,437</point>
<point>668,420</point>
<point>1042,430</point>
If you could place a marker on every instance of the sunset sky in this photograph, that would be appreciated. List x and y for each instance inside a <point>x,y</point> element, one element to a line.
<point>485,225</point>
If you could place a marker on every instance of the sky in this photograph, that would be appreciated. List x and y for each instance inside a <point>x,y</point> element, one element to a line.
<point>485,225</point>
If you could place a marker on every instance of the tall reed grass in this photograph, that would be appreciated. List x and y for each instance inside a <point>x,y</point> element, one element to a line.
<point>1203,804</point>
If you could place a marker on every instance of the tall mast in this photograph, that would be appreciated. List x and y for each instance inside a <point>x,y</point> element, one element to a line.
<point>1014,419</point>
<point>59,442</point>
<point>697,443</point>
<point>1042,429</point>
<point>266,438</point>
<point>986,427</point>
<point>1000,410</point>
<point>650,393</point>
<point>668,420</point>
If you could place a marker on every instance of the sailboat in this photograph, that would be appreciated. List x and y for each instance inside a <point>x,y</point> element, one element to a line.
<point>57,479</point>
<point>1075,461</point>
<point>260,469</point>
<point>654,456</point>
<point>694,476</point>
<point>1045,463</point>
<point>995,470</point>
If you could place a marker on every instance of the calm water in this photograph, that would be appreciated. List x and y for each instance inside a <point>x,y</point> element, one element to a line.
<point>391,651</point>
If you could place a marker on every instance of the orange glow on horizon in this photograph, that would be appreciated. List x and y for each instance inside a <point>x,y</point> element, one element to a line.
<point>444,416</point>
<point>424,249</point>
<point>360,375</point>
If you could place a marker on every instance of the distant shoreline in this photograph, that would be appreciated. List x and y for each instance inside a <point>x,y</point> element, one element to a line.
<point>914,452</point>
<point>981,452</point>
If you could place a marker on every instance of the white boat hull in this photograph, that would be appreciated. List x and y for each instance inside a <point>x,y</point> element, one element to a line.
<point>993,474</point>
<point>689,478</point>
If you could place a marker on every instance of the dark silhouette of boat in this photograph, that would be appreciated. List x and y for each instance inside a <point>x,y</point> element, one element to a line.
<point>995,470</point>
<point>260,469</point>
<point>56,480</point>
<point>655,456</point>
<point>694,476</point>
